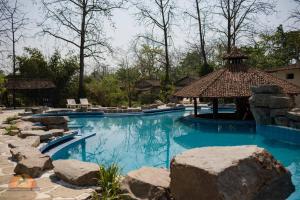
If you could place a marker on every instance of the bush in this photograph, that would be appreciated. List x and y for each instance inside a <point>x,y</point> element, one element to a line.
<point>109,181</point>
<point>10,130</point>
<point>10,119</point>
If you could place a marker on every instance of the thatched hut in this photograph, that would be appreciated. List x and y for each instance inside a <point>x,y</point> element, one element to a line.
<point>233,81</point>
<point>41,90</point>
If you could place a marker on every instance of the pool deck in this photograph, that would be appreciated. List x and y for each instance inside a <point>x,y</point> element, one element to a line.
<point>48,187</point>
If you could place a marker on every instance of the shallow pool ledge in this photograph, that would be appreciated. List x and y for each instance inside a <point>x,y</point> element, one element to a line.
<point>280,133</point>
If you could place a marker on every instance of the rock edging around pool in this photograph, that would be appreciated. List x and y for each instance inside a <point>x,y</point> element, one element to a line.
<point>242,172</point>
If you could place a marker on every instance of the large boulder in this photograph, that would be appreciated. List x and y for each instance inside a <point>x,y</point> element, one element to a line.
<point>33,166</point>
<point>261,115</point>
<point>31,141</point>
<point>280,102</point>
<point>24,152</point>
<point>54,120</point>
<point>24,125</point>
<point>44,135</point>
<point>77,172</point>
<point>267,89</point>
<point>228,173</point>
<point>295,116</point>
<point>147,183</point>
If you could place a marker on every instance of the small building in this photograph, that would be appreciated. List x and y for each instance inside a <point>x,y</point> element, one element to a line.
<point>289,73</point>
<point>40,90</point>
<point>152,86</point>
<point>185,81</point>
<point>233,81</point>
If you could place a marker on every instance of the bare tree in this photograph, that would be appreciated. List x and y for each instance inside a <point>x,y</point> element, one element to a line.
<point>15,22</point>
<point>200,16</point>
<point>159,15</point>
<point>240,16</point>
<point>80,23</point>
<point>296,12</point>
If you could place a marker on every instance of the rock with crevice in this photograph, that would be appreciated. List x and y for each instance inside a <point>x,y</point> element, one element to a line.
<point>242,172</point>
<point>24,125</point>
<point>44,135</point>
<point>34,166</point>
<point>147,183</point>
<point>31,141</point>
<point>77,172</point>
<point>23,152</point>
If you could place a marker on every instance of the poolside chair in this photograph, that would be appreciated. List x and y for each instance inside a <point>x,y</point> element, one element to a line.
<point>84,103</point>
<point>71,103</point>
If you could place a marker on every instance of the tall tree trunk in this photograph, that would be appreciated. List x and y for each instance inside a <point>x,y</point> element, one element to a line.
<point>202,40</point>
<point>228,27</point>
<point>81,54</point>
<point>14,59</point>
<point>167,64</point>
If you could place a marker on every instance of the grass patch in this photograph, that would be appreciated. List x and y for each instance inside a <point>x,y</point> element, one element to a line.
<point>10,130</point>
<point>10,119</point>
<point>109,181</point>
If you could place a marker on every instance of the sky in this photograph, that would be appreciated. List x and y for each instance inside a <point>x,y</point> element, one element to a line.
<point>126,28</point>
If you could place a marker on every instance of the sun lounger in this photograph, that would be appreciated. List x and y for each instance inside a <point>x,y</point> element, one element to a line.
<point>84,103</point>
<point>71,103</point>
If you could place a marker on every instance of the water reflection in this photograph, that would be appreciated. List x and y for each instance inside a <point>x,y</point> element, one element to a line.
<point>138,141</point>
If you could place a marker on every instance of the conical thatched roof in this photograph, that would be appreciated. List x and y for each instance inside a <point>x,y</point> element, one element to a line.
<point>28,84</point>
<point>233,80</point>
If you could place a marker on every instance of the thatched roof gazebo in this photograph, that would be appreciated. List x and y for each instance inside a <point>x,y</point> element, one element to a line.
<point>233,81</point>
<point>40,89</point>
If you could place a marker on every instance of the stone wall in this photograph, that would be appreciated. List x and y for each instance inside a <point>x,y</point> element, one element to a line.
<point>269,105</point>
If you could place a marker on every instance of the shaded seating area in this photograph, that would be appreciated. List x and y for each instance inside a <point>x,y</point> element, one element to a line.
<point>40,91</point>
<point>232,82</point>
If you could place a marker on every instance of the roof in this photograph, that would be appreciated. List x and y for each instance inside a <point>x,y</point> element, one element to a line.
<point>233,81</point>
<point>235,54</point>
<point>148,83</point>
<point>186,81</point>
<point>286,68</point>
<point>28,84</point>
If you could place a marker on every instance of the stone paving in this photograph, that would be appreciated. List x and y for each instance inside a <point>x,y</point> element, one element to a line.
<point>47,186</point>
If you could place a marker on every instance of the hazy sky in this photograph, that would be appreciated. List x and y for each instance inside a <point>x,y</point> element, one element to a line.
<point>126,27</point>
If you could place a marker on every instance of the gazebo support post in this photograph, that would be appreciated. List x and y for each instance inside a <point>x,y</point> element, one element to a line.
<point>195,107</point>
<point>215,107</point>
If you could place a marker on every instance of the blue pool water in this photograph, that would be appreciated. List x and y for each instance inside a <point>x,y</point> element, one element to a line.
<point>136,141</point>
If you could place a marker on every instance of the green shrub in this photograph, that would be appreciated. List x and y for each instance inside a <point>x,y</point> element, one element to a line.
<point>10,119</point>
<point>10,130</point>
<point>109,181</point>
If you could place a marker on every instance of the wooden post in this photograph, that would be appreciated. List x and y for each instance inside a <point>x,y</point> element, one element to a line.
<point>195,107</point>
<point>215,107</point>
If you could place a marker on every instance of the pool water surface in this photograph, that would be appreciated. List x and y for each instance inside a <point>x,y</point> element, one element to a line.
<point>152,140</point>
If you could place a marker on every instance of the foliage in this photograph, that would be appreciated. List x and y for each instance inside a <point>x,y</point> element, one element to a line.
<point>10,119</point>
<point>106,91</point>
<point>128,77</point>
<point>10,130</point>
<point>109,181</point>
<point>2,88</point>
<point>62,71</point>
<point>277,49</point>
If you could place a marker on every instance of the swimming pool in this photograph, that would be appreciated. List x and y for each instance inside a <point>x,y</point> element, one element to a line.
<point>152,140</point>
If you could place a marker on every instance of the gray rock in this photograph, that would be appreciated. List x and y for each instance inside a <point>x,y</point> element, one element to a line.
<point>44,135</point>
<point>54,120</point>
<point>76,172</point>
<point>281,121</point>
<point>31,141</point>
<point>24,152</point>
<point>242,172</point>
<point>33,166</point>
<point>56,132</point>
<point>58,126</point>
<point>278,112</point>
<point>147,183</point>
<point>261,115</point>
<point>294,124</point>
<point>260,100</point>
<point>267,89</point>
<point>280,102</point>
<point>295,116</point>
<point>24,125</point>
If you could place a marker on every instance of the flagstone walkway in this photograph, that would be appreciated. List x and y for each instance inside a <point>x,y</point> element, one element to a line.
<point>47,187</point>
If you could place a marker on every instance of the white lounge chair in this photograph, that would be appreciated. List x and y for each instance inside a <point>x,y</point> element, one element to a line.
<point>84,103</point>
<point>71,103</point>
